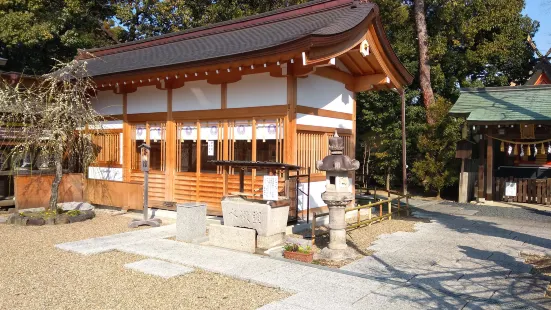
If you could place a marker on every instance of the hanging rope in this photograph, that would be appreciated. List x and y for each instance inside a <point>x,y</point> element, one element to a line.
<point>519,143</point>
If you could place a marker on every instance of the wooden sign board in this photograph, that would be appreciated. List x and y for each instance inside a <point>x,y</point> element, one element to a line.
<point>464,149</point>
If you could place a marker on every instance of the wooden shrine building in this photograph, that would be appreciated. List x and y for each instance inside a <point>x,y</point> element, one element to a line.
<point>510,130</point>
<point>272,87</point>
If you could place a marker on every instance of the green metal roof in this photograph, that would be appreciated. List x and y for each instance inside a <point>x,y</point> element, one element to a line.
<point>505,104</point>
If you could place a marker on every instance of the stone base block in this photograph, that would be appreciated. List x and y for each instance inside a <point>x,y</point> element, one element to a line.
<point>235,238</point>
<point>336,255</point>
<point>259,215</point>
<point>191,221</point>
<point>266,242</point>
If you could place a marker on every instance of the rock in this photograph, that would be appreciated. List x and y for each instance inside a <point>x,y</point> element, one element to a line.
<point>50,221</point>
<point>81,206</point>
<point>83,216</point>
<point>62,219</point>
<point>3,220</point>
<point>35,222</point>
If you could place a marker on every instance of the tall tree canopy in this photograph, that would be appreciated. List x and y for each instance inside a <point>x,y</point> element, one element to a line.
<point>35,31</point>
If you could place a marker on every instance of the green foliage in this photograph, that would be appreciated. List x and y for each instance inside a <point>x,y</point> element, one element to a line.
<point>73,213</point>
<point>293,247</point>
<point>35,31</point>
<point>379,120</point>
<point>436,168</point>
<point>472,44</point>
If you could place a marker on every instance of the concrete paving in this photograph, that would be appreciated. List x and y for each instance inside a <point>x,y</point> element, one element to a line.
<point>456,261</point>
<point>159,268</point>
<point>461,254</point>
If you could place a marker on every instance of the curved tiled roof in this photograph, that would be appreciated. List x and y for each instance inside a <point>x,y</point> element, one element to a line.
<point>264,32</point>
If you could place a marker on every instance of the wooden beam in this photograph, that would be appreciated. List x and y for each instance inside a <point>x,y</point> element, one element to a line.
<point>367,82</point>
<point>147,117</point>
<point>290,142</point>
<point>324,129</point>
<point>198,156</point>
<point>233,113</point>
<point>489,168</point>
<point>170,137</point>
<point>325,113</point>
<point>335,75</point>
<point>126,141</point>
<point>482,148</point>
<point>225,144</point>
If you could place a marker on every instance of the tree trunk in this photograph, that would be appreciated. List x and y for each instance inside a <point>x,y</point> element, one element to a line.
<point>57,180</point>
<point>438,195</point>
<point>424,65</point>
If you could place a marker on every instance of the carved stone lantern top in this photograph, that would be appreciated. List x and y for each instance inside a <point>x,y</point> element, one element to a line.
<point>336,161</point>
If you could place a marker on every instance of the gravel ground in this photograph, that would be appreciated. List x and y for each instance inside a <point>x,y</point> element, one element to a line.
<point>35,275</point>
<point>505,212</point>
<point>360,239</point>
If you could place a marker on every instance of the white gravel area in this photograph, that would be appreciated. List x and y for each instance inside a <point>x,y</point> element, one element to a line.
<point>36,275</point>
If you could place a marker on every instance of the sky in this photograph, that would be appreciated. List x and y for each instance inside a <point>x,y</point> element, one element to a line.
<point>540,10</point>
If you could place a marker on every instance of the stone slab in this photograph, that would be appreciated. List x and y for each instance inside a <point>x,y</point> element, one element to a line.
<point>110,243</point>
<point>262,217</point>
<point>266,242</point>
<point>235,238</point>
<point>159,268</point>
<point>191,221</point>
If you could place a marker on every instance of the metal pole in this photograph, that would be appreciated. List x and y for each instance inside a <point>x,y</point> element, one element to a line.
<point>308,199</point>
<point>404,156</point>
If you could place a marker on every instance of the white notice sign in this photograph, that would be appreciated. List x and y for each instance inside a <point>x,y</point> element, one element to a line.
<point>510,189</point>
<point>210,148</point>
<point>269,189</point>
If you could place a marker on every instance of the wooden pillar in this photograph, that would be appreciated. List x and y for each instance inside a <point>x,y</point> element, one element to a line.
<point>198,156</point>
<point>290,147</point>
<point>489,168</point>
<point>170,149</point>
<point>225,144</point>
<point>481,184</point>
<point>126,141</point>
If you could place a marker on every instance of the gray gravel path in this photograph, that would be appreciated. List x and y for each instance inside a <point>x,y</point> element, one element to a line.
<point>504,212</point>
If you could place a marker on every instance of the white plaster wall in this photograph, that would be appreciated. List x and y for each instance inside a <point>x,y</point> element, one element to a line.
<point>314,120</point>
<point>197,95</point>
<point>147,99</point>
<point>107,103</point>
<point>316,189</point>
<point>104,173</point>
<point>322,93</point>
<point>257,90</point>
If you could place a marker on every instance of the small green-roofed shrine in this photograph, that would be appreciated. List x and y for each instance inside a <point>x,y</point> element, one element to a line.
<point>505,104</point>
<point>506,146</point>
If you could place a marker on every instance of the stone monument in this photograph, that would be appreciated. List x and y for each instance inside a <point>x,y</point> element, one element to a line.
<point>338,194</point>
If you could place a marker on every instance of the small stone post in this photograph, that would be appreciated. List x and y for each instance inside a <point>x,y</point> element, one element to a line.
<point>337,196</point>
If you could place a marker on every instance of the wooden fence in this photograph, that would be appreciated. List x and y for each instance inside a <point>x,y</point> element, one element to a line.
<point>34,191</point>
<point>528,190</point>
<point>370,219</point>
<point>126,195</point>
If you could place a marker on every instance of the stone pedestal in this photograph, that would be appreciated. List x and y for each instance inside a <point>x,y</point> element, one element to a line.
<point>337,249</point>
<point>191,221</point>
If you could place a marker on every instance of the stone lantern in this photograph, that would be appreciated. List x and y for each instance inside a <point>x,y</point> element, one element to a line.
<point>338,194</point>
